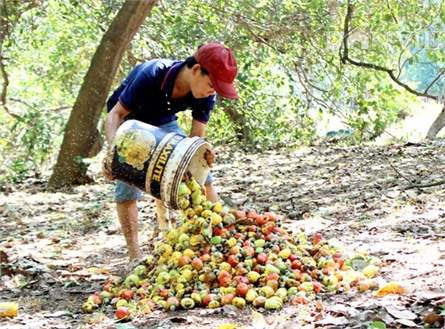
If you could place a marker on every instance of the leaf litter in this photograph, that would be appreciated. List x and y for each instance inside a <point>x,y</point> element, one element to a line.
<point>57,248</point>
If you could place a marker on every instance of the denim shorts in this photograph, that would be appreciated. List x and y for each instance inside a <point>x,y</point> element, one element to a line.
<point>124,193</point>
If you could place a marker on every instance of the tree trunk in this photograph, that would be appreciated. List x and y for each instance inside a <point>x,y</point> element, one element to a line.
<point>81,130</point>
<point>437,125</point>
<point>10,12</point>
<point>242,132</point>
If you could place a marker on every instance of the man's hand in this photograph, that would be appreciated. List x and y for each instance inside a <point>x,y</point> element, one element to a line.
<point>106,168</point>
<point>210,157</point>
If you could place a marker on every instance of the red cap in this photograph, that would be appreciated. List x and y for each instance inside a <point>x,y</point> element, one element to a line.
<point>220,62</point>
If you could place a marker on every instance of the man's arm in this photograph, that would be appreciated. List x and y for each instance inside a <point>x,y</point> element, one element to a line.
<point>114,120</point>
<point>198,129</point>
<point>112,123</point>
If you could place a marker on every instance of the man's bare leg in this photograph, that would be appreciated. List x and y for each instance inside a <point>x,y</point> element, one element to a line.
<point>162,215</point>
<point>127,212</point>
<point>211,192</point>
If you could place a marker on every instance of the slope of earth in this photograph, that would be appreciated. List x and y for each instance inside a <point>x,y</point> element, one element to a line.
<point>57,248</point>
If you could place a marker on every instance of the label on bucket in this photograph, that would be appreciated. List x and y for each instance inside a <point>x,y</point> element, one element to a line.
<point>159,161</point>
<point>154,161</point>
<point>135,149</point>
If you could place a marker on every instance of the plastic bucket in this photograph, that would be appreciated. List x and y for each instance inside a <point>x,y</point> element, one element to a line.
<point>154,161</point>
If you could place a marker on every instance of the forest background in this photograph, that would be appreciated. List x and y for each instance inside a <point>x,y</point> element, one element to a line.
<point>302,65</point>
<point>321,84</point>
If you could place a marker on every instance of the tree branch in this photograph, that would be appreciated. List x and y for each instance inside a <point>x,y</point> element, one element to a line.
<point>261,39</point>
<point>344,56</point>
<point>392,12</point>
<point>440,182</point>
<point>5,81</point>
<point>434,81</point>
<point>399,173</point>
<point>301,75</point>
<point>9,15</point>
<point>57,109</point>
<point>413,185</point>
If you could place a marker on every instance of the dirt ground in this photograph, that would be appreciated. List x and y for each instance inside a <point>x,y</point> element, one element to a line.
<point>58,248</point>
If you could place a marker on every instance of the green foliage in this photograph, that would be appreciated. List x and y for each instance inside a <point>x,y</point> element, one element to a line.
<point>46,58</point>
<point>29,143</point>
<point>421,73</point>
<point>270,110</point>
<point>402,37</point>
<point>375,105</point>
<point>290,68</point>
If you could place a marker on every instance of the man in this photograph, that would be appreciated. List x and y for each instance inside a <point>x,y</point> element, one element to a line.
<point>152,93</point>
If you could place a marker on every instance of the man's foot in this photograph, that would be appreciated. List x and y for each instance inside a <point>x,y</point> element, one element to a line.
<point>136,255</point>
<point>133,263</point>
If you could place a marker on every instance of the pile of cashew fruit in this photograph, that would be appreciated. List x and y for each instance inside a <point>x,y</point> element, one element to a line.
<point>218,256</point>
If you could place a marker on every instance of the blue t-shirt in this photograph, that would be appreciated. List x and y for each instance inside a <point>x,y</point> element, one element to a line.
<point>147,91</point>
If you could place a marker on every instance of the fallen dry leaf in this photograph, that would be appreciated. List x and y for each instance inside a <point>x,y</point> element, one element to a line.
<point>228,326</point>
<point>258,321</point>
<point>98,270</point>
<point>391,288</point>
<point>400,313</point>
<point>407,323</point>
